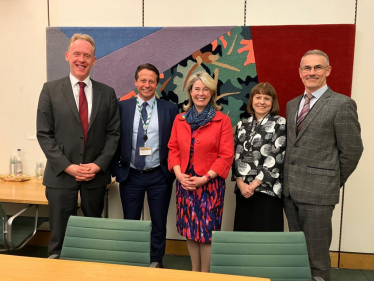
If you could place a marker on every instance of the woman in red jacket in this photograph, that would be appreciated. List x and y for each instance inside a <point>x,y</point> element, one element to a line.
<point>201,151</point>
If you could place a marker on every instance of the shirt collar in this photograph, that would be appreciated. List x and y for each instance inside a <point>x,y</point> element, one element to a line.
<point>150,101</point>
<point>317,94</point>
<point>74,80</point>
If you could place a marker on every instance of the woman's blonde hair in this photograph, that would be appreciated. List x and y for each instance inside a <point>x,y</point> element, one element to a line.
<point>208,82</point>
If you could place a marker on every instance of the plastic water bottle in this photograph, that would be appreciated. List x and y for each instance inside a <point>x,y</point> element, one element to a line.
<point>19,168</point>
<point>39,171</point>
<point>12,165</point>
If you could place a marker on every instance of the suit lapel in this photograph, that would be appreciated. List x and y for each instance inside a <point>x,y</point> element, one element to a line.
<point>291,117</point>
<point>69,96</point>
<point>130,114</point>
<point>314,111</point>
<point>161,119</point>
<point>96,100</point>
<point>186,125</point>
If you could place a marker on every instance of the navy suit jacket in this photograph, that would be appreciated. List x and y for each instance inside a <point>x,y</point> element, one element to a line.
<point>167,112</point>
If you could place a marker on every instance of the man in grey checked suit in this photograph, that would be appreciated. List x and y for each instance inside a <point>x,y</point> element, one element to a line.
<point>323,150</point>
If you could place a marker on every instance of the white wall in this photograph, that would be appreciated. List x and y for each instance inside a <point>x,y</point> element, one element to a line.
<point>23,71</point>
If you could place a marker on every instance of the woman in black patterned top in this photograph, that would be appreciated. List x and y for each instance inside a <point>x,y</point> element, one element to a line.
<point>260,144</point>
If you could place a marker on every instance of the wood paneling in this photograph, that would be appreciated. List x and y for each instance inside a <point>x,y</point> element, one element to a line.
<point>357,261</point>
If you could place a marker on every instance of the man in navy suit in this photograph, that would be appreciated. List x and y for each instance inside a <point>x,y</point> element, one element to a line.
<point>140,164</point>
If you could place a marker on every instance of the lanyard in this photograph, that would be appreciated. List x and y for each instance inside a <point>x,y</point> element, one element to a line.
<point>146,123</point>
<point>254,129</point>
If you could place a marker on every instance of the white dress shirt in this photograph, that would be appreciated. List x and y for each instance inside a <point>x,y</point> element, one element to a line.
<point>87,89</point>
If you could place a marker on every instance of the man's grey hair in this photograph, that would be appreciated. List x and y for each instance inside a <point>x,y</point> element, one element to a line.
<point>316,52</point>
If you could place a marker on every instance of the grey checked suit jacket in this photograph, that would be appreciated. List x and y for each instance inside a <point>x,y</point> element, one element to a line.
<point>60,134</point>
<point>321,157</point>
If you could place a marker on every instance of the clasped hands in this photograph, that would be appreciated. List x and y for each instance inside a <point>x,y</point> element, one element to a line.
<point>83,172</point>
<point>190,183</point>
<point>247,190</point>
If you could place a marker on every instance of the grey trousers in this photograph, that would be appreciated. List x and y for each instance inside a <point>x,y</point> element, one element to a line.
<point>315,222</point>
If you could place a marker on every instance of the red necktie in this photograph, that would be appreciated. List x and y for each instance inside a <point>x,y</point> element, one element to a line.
<point>83,109</point>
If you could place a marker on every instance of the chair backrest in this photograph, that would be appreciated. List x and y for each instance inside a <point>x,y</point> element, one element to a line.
<point>107,240</point>
<point>280,256</point>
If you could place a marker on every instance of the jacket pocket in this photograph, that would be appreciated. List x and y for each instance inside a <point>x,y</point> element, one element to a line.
<point>321,171</point>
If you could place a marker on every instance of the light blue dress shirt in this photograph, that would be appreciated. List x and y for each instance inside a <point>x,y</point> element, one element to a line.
<point>317,94</point>
<point>153,140</point>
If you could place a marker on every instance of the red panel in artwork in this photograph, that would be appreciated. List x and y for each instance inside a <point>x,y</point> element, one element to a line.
<point>278,50</point>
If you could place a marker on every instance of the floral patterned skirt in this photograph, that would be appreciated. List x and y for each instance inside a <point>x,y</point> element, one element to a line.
<point>199,212</point>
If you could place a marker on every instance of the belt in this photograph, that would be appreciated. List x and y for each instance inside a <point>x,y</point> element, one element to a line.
<point>147,171</point>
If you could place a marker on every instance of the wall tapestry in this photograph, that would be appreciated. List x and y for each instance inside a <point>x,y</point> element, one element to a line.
<point>237,57</point>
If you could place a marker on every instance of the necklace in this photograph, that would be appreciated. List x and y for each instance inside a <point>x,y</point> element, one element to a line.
<point>255,126</point>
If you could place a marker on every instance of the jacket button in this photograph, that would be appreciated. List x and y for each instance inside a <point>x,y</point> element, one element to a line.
<point>197,141</point>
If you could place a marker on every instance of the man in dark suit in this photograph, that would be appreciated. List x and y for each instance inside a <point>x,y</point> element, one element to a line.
<point>140,164</point>
<point>78,131</point>
<point>324,147</point>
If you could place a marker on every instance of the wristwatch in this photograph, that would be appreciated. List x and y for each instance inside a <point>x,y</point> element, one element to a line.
<point>208,177</point>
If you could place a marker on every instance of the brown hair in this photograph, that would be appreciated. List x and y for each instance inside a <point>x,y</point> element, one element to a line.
<point>148,66</point>
<point>264,88</point>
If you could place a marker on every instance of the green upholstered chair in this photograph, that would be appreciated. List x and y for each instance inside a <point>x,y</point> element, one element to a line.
<point>280,256</point>
<point>116,241</point>
<point>17,230</point>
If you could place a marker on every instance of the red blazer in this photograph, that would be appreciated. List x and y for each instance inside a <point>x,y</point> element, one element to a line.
<point>214,145</point>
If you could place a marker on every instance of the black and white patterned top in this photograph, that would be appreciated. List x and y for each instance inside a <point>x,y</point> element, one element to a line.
<point>259,152</point>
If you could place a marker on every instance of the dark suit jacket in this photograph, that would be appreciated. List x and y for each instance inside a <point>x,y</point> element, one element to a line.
<point>60,134</point>
<point>326,151</point>
<point>166,115</point>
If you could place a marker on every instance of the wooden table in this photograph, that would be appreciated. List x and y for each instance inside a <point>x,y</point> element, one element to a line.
<point>33,192</point>
<point>27,192</point>
<point>26,268</point>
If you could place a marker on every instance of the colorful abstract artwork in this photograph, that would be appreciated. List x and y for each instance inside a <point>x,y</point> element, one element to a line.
<point>237,57</point>
<point>229,60</point>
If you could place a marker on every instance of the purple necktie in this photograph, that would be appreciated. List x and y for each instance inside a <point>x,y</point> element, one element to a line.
<point>83,109</point>
<point>304,112</point>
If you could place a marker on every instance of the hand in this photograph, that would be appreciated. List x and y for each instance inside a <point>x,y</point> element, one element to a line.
<point>198,181</point>
<point>185,182</point>
<point>89,171</point>
<point>246,189</point>
<point>79,173</point>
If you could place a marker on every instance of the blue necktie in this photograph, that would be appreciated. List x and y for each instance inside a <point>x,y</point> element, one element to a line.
<point>140,160</point>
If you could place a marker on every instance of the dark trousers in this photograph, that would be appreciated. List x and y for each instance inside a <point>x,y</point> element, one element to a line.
<point>62,203</point>
<point>315,222</point>
<point>158,190</point>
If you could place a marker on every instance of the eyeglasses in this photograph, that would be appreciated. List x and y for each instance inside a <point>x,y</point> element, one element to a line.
<point>317,68</point>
